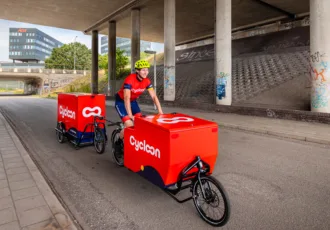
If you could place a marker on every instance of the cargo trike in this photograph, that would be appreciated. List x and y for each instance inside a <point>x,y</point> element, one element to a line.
<point>176,152</point>
<point>80,119</point>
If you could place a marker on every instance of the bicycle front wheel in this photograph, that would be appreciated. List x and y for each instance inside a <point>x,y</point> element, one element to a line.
<point>213,206</point>
<point>117,151</point>
<point>99,141</point>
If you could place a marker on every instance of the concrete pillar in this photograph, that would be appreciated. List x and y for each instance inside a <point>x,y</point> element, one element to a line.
<point>320,55</point>
<point>95,61</point>
<point>112,59</point>
<point>25,88</point>
<point>223,52</point>
<point>135,39</point>
<point>169,50</point>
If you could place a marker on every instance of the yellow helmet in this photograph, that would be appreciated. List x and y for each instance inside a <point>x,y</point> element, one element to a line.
<point>140,64</point>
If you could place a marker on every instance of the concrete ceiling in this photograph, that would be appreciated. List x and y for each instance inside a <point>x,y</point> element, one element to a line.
<point>194,18</point>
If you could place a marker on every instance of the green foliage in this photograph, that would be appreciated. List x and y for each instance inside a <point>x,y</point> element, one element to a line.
<point>63,57</point>
<point>121,62</point>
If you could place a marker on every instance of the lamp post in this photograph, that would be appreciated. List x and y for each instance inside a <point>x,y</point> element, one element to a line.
<point>155,73</point>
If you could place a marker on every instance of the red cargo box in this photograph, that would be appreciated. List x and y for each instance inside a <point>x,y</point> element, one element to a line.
<point>76,110</point>
<point>160,147</point>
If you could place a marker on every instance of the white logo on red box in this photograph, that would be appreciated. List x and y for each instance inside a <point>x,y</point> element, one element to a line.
<point>88,111</point>
<point>174,120</point>
<point>142,145</point>
<point>137,90</point>
<point>66,112</point>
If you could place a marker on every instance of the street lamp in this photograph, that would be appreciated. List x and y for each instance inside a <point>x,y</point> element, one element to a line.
<point>155,73</point>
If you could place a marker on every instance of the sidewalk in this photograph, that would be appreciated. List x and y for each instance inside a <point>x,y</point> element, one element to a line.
<point>26,200</point>
<point>310,132</point>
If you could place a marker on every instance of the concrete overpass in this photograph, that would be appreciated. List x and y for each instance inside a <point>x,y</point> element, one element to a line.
<point>177,22</point>
<point>35,78</point>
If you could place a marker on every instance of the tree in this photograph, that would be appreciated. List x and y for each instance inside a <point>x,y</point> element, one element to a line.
<point>63,57</point>
<point>121,62</point>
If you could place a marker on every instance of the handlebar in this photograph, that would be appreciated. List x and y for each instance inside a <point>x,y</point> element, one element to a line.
<point>119,123</point>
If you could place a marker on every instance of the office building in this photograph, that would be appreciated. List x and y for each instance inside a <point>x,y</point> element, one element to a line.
<point>124,44</point>
<point>30,45</point>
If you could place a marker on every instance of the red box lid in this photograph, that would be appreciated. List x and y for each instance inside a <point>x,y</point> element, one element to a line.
<point>174,122</point>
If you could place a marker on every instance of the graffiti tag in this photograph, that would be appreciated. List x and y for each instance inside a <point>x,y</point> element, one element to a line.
<point>222,81</point>
<point>319,97</point>
<point>316,56</point>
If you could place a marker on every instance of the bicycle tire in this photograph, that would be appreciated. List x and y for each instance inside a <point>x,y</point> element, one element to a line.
<point>226,215</point>
<point>59,135</point>
<point>114,155</point>
<point>100,134</point>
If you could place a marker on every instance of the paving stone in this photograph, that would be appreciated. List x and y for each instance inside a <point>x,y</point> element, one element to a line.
<point>6,202</point>
<point>18,185</point>
<point>19,177</point>
<point>7,215</point>
<point>30,203</point>
<point>11,155</point>
<point>13,171</point>
<point>10,226</point>
<point>34,216</point>
<point>50,224</point>
<point>25,193</point>
<point>14,165</point>
<point>8,150</point>
<point>4,192</point>
<point>9,147</point>
<point>2,176</point>
<point>3,183</point>
<point>13,160</point>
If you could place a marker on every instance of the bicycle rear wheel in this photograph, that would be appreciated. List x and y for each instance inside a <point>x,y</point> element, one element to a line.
<point>216,200</point>
<point>99,141</point>
<point>59,134</point>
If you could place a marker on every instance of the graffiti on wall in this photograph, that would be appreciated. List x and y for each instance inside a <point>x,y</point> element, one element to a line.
<point>319,72</point>
<point>169,80</point>
<point>320,96</point>
<point>222,81</point>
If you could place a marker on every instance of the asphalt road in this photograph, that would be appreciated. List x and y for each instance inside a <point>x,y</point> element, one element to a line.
<point>272,183</point>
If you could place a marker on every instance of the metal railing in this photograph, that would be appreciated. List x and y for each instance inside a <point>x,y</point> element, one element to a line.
<point>43,71</point>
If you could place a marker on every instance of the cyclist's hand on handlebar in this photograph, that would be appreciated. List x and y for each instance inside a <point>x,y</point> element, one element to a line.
<point>132,118</point>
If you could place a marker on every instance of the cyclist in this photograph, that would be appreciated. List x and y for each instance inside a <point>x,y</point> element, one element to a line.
<point>126,105</point>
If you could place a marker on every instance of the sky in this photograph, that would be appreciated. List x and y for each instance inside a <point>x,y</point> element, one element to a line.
<point>62,35</point>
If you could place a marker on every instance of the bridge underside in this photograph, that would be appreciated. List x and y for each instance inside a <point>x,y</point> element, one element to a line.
<point>194,18</point>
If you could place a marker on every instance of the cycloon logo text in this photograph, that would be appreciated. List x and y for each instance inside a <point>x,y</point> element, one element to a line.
<point>142,145</point>
<point>65,112</point>
<point>88,111</point>
<point>137,90</point>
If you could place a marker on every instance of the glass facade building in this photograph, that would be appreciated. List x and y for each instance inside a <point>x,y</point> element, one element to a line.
<point>30,45</point>
<point>123,44</point>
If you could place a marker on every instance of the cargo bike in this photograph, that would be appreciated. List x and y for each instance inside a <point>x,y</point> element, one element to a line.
<point>176,152</point>
<point>80,119</point>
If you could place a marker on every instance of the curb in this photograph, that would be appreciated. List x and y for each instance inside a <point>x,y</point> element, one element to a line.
<point>59,213</point>
<point>276,134</point>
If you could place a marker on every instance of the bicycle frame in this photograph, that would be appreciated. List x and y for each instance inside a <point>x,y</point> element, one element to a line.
<point>203,169</point>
